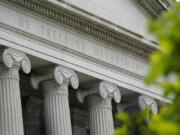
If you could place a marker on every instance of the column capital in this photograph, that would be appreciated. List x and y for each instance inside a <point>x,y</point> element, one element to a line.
<point>11,57</point>
<point>146,101</point>
<point>59,74</point>
<point>104,89</point>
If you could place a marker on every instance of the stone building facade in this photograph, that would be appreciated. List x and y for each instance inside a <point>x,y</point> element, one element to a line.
<point>68,66</point>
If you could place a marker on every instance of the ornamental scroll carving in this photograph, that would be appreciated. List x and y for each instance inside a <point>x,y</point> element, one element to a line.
<point>146,101</point>
<point>109,89</point>
<point>104,89</point>
<point>12,57</point>
<point>59,74</point>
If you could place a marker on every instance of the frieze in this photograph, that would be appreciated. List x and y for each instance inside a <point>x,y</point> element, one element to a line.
<point>60,15</point>
<point>64,38</point>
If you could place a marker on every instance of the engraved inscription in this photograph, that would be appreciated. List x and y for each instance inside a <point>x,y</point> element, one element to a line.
<point>73,41</point>
<point>21,22</point>
<point>119,60</point>
<point>62,37</point>
<point>51,33</point>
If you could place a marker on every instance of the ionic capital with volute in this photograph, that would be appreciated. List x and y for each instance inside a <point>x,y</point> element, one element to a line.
<point>147,102</point>
<point>104,89</point>
<point>55,81</point>
<point>59,74</point>
<point>99,98</point>
<point>14,58</point>
<point>11,61</point>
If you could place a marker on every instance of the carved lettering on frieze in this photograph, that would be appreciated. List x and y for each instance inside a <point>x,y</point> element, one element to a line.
<point>51,33</point>
<point>62,37</point>
<point>119,60</point>
<point>21,22</point>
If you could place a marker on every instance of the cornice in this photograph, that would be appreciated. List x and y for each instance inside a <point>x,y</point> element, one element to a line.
<point>154,7</point>
<point>81,24</point>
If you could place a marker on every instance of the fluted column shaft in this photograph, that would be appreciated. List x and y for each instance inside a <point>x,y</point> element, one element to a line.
<point>100,115</point>
<point>11,60</point>
<point>79,130</point>
<point>11,122</point>
<point>80,121</point>
<point>31,114</point>
<point>99,98</point>
<point>55,84</point>
<point>57,112</point>
<point>31,124</point>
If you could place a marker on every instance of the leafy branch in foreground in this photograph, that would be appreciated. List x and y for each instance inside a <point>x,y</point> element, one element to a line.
<point>165,63</point>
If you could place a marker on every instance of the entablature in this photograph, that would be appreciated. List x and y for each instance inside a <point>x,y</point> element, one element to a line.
<point>115,36</point>
<point>53,41</point>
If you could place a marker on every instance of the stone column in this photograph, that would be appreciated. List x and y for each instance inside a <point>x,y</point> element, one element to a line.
<point>100,109</point>
<point>55,85</point>
<point>147,102</point>
<point>80,121</point>
<point>11,122</point>
<point>31,116</point>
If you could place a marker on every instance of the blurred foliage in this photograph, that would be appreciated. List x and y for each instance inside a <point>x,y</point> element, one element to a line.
<point>136,124</point>
<point>166,65</point>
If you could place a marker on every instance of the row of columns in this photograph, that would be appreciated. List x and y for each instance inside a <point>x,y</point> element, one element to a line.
<point>54,81</point>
